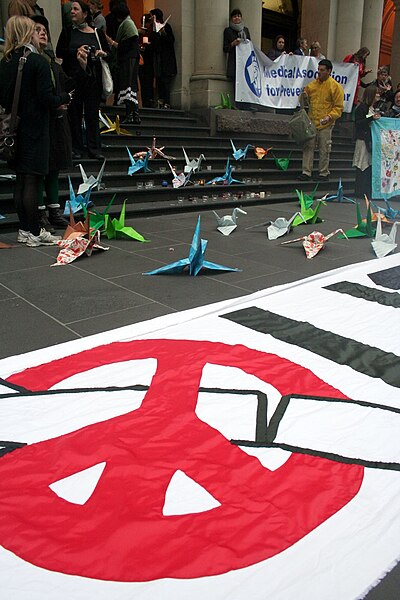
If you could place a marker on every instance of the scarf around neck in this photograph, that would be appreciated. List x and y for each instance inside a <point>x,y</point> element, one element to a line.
<point>237,26</point>
<point>80,25</point>
<point>126,30</point>
<point>396,109</point>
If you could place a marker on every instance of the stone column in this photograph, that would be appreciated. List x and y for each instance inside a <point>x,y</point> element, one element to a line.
<point>252,17</point>
<point>349,27</point>
<point>395,58</point>
<point>52,11</point>
<point>3,16</point>
<point>371,33</point>
<point>209,76</point>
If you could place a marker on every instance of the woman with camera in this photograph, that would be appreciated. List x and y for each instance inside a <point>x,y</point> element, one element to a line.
<point>80,48</point>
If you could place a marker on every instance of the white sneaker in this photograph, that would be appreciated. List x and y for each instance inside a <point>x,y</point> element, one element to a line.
<point>43,239</point>
<point>23,236</point>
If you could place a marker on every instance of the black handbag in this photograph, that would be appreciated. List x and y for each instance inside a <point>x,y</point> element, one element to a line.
<point>9,121</point>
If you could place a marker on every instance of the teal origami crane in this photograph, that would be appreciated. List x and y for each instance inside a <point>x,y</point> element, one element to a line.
<point>389,212</point>
<point>339,196</point>
<point>364,227</point>
<point>226,102</point>
<point>140,163</point>
<point>308,214</point>
<point>116,228</point>
<point>195,261</point>
<point>239,153</point>
<point>98,219</point>
<point>282,163</point>
<point>226,178</point>
<point>77,203</point>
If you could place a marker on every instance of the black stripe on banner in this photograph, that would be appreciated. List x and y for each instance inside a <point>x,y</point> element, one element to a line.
<point>371,361</point>
<point>366,293</point>
<point>389,278</point>
<point>6,447</point>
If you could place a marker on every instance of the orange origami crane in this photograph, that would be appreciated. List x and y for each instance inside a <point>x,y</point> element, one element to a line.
<point>260,152</point>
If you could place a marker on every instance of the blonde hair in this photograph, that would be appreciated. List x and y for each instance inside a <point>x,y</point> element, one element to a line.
<point>18,33</point>
<point>98,4</point>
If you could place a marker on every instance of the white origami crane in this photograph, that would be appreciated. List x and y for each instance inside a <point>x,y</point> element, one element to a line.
<point>90,182</point>
<point>178,180</point>
<point>228,223</point>
<point>384,243</point>
<point>278,227</point>
<point>159,26</point>
<point>192,166</point>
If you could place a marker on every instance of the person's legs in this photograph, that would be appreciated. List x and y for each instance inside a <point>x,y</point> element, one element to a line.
<point>325,146</point>
<point>18,201</point>
<point>75,111</point>
<point>91,103</point>
<point>56,217</point>
<point>308,156</point>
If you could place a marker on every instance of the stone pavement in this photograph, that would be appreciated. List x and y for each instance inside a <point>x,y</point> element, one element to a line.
<point>42,305</point>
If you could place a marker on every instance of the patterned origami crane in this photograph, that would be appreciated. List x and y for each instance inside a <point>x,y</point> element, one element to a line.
<point>112,127</point>
<point>153,152</point>
<point>195,261</point>
<point>339,196</point>
<point>226,178</point>
<point>260,152</point>
<point>228,223</point>
<point>116,228</point>
<point>90,182</point>
<point>226,102</point>
<point>282,163</point>
<point>314,242</point>
<point>137,165</point>
<point>179,180</point>
<point>194,165</point>
<point>308,214</point>
<point>76,203</point>
<point>364,227</point>
<point>240,153</point>
<point>384,243</point>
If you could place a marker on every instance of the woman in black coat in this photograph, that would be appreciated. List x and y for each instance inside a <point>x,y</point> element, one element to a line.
<point>233,36</point>
<point>74,45</point>
<point>165,67</point>
<point>36,100</point>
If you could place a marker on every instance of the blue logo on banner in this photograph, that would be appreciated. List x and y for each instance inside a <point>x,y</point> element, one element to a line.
<point>252,74</point>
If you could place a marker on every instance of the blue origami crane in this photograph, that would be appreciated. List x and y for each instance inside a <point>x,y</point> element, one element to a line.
<point>389,212</point>
<point>339,196</point>
<point>239,153</point>
<point>76,203</point>
<point>226,178</point>
<point>141,163</point>
<point>195,260</point>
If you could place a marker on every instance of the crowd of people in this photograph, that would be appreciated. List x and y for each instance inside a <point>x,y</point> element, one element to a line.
<point>65,86</point>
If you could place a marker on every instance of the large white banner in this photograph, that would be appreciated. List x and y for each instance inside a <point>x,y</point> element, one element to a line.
<point>279,83</point>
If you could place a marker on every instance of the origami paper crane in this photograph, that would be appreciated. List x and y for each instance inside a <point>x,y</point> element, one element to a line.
<point>116,228</point>
<point>226,178</point>
<point>239,153</point>
<point>389,212</point>
<point>112,127</point>
<point>308,214</point>
<point>260,152</point>
<point>97,219</point>
<point>278,227</point>
<point>364,227</point>
<point>2,217</point>
<point>76,203</point>
<point>339,196</point>
<point>195,261</point>
<point>314,242</point>
<point>194,165</point>
<point>153,152</point>
<point>384,243</point>
<point>10,176</point>
<point>137,165</point>
<point>308,199</point>
<point>228,223</point>
<point>78,239</point>
<point>226,102</point>
<point>90,182</point>
<point>282,163</point>
<point>179,180</point>
<point>159,26</point>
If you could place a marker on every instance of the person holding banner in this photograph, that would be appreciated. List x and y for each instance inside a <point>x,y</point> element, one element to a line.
<point>326,102</point>
<point>233,36</point>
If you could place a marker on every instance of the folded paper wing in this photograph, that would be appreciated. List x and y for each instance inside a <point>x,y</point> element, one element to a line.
<point>384,243</point>
<point>228,223</point>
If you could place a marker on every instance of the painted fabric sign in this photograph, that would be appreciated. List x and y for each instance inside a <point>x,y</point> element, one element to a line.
<point>385,158</point>
<point>279,83</point>
<point>194,456</point>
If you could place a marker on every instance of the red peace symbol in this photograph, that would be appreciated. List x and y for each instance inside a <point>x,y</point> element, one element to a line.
<point>120,533</point>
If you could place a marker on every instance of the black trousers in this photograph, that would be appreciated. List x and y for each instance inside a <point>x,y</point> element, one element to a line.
<point>363,183</point>
<point>86,102</point>
<point>26,192</point>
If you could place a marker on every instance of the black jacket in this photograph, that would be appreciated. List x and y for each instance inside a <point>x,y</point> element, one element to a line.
<point>229,36</point>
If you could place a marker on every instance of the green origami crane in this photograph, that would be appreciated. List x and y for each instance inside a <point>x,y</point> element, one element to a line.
<point>282,163</point>
<point>308,198</point>
<point>116,228</point>
<point>307,212</point>
<point>98,219</point>
<point>226,102</point>
<point>364,227</point>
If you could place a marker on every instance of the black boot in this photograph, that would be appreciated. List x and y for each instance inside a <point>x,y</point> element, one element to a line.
<point>57,219</point>
<point>44,222</point>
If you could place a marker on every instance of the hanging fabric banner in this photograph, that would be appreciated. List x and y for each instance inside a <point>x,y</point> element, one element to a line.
<point>385,158</point>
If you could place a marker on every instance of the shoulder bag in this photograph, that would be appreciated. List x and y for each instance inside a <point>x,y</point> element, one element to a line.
<point>106,77</point>
<point>9,121</point>
<point>300,127</point>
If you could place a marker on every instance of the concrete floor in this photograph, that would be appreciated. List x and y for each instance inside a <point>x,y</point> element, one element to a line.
<point>42,305</point>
